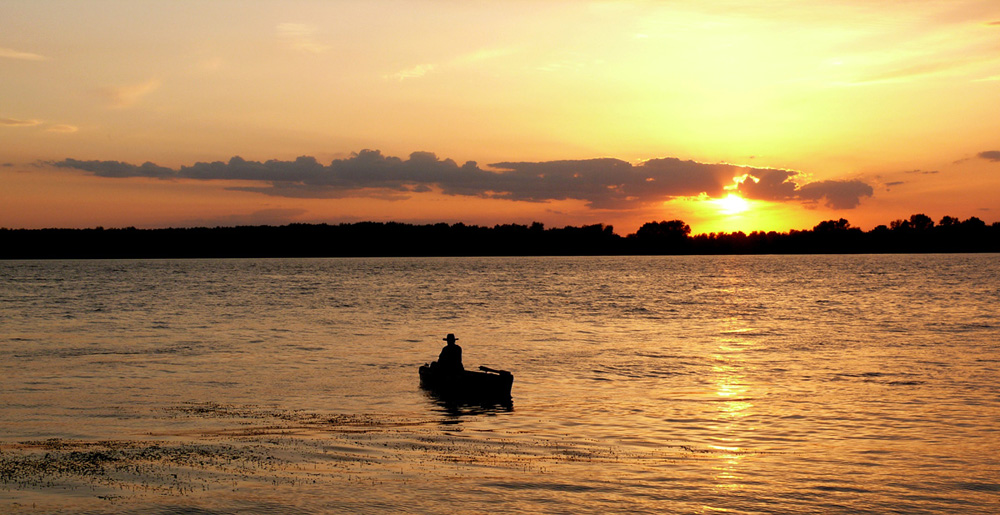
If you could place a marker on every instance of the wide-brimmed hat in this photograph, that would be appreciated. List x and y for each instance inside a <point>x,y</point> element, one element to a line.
<point>450,338</point>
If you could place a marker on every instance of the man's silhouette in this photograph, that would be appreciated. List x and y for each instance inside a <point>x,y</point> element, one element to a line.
<point>450,359</point>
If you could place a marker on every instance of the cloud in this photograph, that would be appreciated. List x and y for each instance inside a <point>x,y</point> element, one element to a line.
<point>128,95</point>
<point>613,183</point>
<point>411,73</point>
<point>63,128</point>
<point>945,66</point>
<point>838,194</point>
<point>299,36</point>
<point>781,186</point>
<point>116,169</point>
<point>481,55</point>
<point>11,122</point>
<point>770,184</point>
<point>464,60</point>
<point>10,53</point>
<point>990,155</point>
<point>604,183</point>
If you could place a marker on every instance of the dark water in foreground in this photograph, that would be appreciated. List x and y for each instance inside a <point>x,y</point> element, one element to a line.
<point>767,384</point>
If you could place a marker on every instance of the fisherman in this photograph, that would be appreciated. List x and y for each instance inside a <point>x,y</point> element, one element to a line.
<point>451,355</point>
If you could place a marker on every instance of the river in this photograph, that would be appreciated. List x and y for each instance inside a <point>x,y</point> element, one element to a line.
<point>683,384</point>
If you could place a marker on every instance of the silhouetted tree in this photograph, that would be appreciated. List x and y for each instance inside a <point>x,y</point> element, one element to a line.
<point>663,237</point>
<point>948,221</point>
<point>831,236</point>
<point>973,223</point>
<point>832,225</point>
<point>915,234</point>
<point>658,230</point>
<point>921,222</point>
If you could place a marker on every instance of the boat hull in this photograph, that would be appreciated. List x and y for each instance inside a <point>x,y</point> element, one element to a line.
<point>467,384</point>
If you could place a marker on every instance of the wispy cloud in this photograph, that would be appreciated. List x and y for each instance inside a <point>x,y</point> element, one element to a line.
<point>463,60</point>
<point>12,122</point>
<point>10,53</point>
<point>51,127</point>
<point>301,37</point>
<point>604,183</point>
<point>914,71</point>
<point>62,128</point>
<point>956,44</point>
<point>128,95</point>
<point>413,72</point>
<point>481,55</point>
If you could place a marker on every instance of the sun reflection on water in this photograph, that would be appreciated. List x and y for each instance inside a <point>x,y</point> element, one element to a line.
<point>735,405</point>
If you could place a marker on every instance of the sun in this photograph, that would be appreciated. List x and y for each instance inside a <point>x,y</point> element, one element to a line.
<point>734,212</point>
<point>732,204</point>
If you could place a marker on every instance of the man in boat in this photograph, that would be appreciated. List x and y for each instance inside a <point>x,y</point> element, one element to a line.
<point>451,356</point>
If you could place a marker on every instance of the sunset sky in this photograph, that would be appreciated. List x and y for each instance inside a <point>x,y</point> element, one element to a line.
<point>729,115</point>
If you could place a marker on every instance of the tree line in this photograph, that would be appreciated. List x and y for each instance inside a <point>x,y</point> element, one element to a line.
<point>917,234</point>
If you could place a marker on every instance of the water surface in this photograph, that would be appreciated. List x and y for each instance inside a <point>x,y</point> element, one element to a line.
<point>742,384</point>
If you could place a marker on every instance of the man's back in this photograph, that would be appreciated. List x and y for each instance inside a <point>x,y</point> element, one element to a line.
<point>451,357</point>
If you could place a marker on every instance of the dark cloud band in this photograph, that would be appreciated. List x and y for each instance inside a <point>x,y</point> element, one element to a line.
<point>604,183</point>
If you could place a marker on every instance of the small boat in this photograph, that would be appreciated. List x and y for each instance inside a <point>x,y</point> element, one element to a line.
<point>488,384</point>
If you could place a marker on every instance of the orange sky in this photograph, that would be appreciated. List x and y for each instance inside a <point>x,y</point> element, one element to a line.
<point>566,113</point>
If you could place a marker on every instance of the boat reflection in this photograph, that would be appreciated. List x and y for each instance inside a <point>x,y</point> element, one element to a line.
<point>455,409</point>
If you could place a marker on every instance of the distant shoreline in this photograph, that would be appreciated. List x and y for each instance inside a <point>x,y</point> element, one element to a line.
<point>918,235</point>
